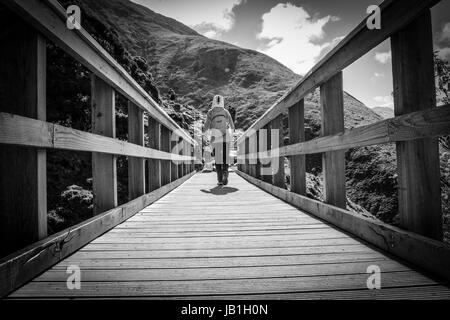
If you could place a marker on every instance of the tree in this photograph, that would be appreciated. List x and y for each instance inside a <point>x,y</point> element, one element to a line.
<point>442,76</point>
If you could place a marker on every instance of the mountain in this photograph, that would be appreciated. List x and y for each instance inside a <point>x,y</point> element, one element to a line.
<point>384,112</point>
<point>196,67</point>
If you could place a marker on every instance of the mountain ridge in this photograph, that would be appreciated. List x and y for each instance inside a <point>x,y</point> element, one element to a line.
<point>196,67</point>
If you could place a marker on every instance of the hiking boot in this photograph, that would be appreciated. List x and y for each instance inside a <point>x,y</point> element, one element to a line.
<point>225,178</point>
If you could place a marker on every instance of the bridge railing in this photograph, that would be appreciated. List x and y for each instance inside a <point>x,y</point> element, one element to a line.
<point>25,136</point>
<point>415,130</point>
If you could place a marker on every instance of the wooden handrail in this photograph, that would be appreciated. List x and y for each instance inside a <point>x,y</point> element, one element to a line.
<point>23,131</point>
<point>395,14</point>
<point>49,17</point>
<point>433,122</point>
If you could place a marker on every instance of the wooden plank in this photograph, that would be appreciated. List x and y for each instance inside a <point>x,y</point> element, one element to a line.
<point>154,165</point>
<point>417,161</point>
<point>258,160</point>
<point>23,131</point>
<point>296,135</point>
<point>89,261</point>
<point>247,158</point>
<point>70,139</point>
<point>304,251</point>
<point>236,272</point>
<point>396,14</point>
<point>214,287</point>
<point>20,267</point>
<point>266,175</point>
<point>278,163</point>
<point>180,152</point>
<point>104,166</point>
<point>432,122</point>
<point>326,234</point>
<point>333,162</point>
<point>174,150</point>
<point>23,182</point>
<point>165,164</point>
<point>50,19</point>
<point>426,253</point>
<point>433,292</point>
<point>136,166</point>
<point>252,149</point>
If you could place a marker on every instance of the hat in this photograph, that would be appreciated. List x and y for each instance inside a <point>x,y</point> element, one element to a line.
<point>218,101</point>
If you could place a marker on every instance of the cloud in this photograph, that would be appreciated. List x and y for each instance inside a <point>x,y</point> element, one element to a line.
<point>384,101</point>
<point>445,35</point>
<point>383,57</point>
<point>290,35</point>
<point>208,17</point>
<point>444,53</point>
<point>377,75</point>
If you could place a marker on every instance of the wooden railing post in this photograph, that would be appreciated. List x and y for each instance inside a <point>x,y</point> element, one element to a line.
<point>417,160</point>
<point>181,147</point>
<point>173,164</point>
<point>23,175</point>
<point>154,165</point>
<point>278,178</point>
<point>258,161</point>
<point>333,163</point>
<point>104,167</point>
<point>136,166</point>
<point>252,150</point>
<point>165,164</point>
<point>242,153</point>
<point>268,177</point>
<point>188,163</point>
<point>297,134</point>
<point>247,153</point>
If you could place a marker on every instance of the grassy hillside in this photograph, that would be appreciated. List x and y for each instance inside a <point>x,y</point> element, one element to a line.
<point>197,68</point>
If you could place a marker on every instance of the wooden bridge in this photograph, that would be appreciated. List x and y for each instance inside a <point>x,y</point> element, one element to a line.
<point>181,237</point>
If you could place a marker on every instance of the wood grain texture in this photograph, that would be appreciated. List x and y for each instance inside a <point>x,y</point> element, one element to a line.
<point>417,161</point>
<point>165,164</point>
<point>49,17</point>
<point>23,265</point>
<point>278,162</point>
<point>104,166</point>
<point>24,131</point>
<point>173,165</point>
<point>267,142</point>
<point>154,165</point>
<point>434,122</point>
<point>426,253</point>
<point>167,250</point>
<point>296,135</point>
<point>23,182</point>
<point>333,162</point>
<point>246,155</point>
<point>136,166</point>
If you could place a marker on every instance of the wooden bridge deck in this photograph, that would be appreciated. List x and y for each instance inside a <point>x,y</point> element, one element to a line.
<point>233,242</point>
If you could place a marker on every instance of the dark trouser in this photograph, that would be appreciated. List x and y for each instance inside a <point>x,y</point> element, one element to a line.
<point>221,171</point>
<point>222,166</point>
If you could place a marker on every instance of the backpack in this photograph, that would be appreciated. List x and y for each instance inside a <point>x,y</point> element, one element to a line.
<point>219,120</point>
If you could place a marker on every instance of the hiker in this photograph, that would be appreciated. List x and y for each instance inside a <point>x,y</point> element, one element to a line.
<point>219,122</point>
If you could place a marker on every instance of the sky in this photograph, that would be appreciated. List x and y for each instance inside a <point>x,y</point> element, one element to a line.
<point>298,33</point>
